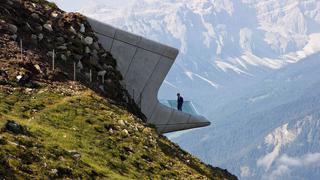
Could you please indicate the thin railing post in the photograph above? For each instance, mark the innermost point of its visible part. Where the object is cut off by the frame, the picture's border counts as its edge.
(53, 63)
(74, 71)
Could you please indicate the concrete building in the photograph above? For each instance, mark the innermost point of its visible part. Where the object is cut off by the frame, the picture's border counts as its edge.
(144, 65)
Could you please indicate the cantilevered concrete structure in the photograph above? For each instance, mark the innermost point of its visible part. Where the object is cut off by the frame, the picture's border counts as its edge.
(144, 65)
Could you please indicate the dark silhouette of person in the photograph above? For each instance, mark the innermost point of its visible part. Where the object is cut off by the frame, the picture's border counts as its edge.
(179, 102)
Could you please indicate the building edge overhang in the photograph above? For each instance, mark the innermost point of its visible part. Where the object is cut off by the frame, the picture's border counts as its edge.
(144, 65)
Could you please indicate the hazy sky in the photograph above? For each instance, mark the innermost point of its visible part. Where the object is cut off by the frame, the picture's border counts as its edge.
(71, 5)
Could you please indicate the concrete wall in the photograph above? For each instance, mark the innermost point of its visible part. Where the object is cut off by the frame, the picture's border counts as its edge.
(144, 65)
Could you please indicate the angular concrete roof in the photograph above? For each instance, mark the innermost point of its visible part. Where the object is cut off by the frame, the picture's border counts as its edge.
(144, 65)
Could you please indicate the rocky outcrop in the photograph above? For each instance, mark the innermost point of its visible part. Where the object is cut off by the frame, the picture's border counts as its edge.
(43, 27)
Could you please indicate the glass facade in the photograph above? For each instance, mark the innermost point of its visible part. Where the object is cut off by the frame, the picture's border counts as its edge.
(187, 106)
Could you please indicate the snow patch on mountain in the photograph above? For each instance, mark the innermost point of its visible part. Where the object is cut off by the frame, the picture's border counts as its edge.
(274, 33)
(281, 136)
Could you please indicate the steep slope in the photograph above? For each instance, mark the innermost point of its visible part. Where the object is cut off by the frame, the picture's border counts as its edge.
(52, 127)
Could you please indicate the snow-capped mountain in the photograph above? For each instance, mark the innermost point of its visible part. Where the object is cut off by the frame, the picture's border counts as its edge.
(243, 38)
(250, 66)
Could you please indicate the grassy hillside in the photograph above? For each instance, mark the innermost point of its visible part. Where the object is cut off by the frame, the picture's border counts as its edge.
(52, 127)
(72, 132)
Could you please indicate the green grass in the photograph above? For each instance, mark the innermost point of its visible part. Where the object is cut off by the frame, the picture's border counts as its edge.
(81, 121)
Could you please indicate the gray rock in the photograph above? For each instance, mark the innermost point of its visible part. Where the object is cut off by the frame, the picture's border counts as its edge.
(76, 156)
(48, 27)
(111, 131)
(78, 57)
(50, 53)
(54, 171)
(39, 28)
(121, 122)
(101, 87)
(34, 38)
(14, 37)
(104, 55)
(60, 39)
(35, 16)
(88, 40)
(38, 68)
(40, 37)
(12, 28)
(10, 2)
(63, 57)
(54, 14)
(63, 47)
(71, 29)
(15, 128)
(125, 132)
(87, 50)
(107, 67)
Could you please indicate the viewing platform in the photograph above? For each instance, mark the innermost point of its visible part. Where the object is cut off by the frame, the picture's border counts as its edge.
(144, 64)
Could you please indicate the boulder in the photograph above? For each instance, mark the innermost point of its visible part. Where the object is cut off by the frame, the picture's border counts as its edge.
(35, 16)
(38, 68)
(121, 122)
(71, 29)
(88, 40)
(63, 47)
(14, 37)
(147, 131)
(54, 14)
(125, 133)
(13, 127)
(23, 79)
(12, 28)
(111, 131)
(34, 38)
(40, 37)
(77, 57)
(39, 28)
(87, 50)
(63, 57)
(3, 74)
(60, 39)
(48, 27)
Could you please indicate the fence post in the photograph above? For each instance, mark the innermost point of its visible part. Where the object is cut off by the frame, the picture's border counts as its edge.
(53, 56)
(90, 75)
(21, 49)
(74, 71)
